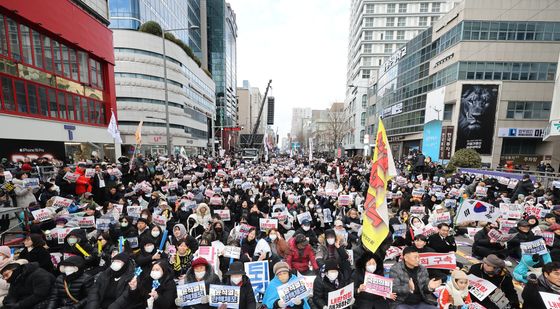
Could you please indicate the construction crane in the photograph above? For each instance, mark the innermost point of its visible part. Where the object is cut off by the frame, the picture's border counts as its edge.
(256, 127)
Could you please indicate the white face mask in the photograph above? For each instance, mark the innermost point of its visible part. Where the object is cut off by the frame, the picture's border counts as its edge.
(124, 224)
(145, 216)
(305, 227)
(273, 237)
(68, 270)
(199, 274)
(117, 265)
(155, 233)
(417, 225)
(72, 241)
(332, 274)
(149, 249)
(156, 274)
(371, 268)
(236, 280)
(330, 241)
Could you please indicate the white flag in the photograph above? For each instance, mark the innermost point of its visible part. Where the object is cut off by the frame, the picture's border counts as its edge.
(113, 129)
(475, 210)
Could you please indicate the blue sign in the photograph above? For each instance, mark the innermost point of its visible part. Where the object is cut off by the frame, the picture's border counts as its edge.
(259, 276)
(432, 139)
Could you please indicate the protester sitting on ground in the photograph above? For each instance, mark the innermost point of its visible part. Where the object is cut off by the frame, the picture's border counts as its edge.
(456, 291)
(548, 282)
(271, 297)
(483, 245)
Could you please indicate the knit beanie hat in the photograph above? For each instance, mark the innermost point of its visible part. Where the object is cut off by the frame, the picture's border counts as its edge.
(280, 267)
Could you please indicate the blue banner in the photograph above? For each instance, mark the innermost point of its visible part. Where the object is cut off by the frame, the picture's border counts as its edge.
(432, 139)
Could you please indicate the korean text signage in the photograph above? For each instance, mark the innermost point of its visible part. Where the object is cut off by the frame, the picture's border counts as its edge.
(394, 59)
(477, 116)
(521, 132)
(446, 142)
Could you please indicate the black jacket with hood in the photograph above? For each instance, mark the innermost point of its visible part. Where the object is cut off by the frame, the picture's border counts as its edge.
(209, 278)
(30, 287)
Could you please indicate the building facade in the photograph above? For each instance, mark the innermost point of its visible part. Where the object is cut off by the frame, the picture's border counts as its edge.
(249, 102)
(474, 80)
(222, 62)
(170, 14)
(56, 75)
(140, 85)
(301, 127)
(377, 29)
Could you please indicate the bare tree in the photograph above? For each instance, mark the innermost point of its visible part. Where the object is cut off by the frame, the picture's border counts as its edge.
(337, 126)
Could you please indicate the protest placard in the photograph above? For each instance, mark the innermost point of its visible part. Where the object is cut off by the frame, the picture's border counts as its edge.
(511, 211)
(62, 233)
(191, 293)
(134, 211)
(86, 222)
(294, 289)
(401, 181)
(449, 203)
(444, 217)
(237, 181)
(243, 231)
(512, 183)
(503, 181)
(550, 300)
(304, 216)
(258, 273)
(499, 236)
(507, 225)
(392, 253)
(341, 298)
(399, 230)
(429, 230)
(159, 220)
(208, 193)
(32, 183)
(471, 231)
(267, 224)
(327, 215)
(216, 201)
(548, 238)
(223, 213)
(418, 210)
(8, 176)
(331, 192)
(344, 200)
(70, 177)
(438, 260)
(455, 192)
(533, 211)
(309, 282)
(378, 285)
(480, 288)
(246, 186)
(61, 202)
(102, 224)
(90, 172)
(232, 252)
(534, 247)
(224, 294)
(42, 214)
(418, 193)
(481, 191)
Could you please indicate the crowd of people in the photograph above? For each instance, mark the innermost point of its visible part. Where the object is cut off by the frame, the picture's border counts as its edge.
(132, 234)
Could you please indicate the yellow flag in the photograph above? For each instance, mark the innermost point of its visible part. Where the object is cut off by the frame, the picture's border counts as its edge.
(376, 216)
(138, 134)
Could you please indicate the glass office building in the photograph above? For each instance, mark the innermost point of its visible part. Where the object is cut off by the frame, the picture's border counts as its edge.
(170, 14)
(518, 57)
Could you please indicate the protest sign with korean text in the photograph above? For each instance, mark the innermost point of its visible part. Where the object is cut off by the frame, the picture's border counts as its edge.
(548, 238)
(534, 247)
(267, 224)
(511, 211)
(86, 222)
(444, 217)
(304, 216)
(294, 289)
(399, 230)
(438, 260)
(471, 231)
(224, 294)
(232, 252)
(42, 214)
(191, 293)
(90, 172)
(258, 273)
(71, 177)
(417, 210)
(31, 183)
(550, 300)
(378, 285)
(480, 288)
(224, 214)
(62, 202)
(341, 298)
(344, 200)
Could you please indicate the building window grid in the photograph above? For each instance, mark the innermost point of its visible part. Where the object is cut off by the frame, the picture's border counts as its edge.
(511, 31)
(523, 71)
(528, 110)
(424, 6)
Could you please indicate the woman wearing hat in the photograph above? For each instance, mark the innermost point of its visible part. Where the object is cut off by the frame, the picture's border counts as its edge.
(35, 251)
(301, 255)
(201, 270)
(456, 291)
(30, 285)
(281, 276)
(236, 277)
(368, 263)
(331, 279)
(142, 293)
(72, 286)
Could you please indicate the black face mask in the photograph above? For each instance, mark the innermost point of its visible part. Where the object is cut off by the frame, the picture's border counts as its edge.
(218, 229)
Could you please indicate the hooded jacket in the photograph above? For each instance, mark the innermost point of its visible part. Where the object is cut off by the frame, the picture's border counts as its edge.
(271, 296)
(31, 287)
(247, 299)
(91, 260)
(209, 278)
(205, 219)
(531, 297)
(78, 285)
(97, 293)
(322, 286)
(300, 261)
(520, 271)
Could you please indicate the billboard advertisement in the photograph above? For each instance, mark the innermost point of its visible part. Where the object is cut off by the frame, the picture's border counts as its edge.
(475, 128)
(434, 105)
(432, 139)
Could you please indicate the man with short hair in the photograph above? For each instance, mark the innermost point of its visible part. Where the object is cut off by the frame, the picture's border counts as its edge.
(442, 242)
(411, 282)
(548, 282)
(493, 269)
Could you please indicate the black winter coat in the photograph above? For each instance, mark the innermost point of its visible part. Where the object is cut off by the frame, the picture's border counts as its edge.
(503, 281)
(531, 297)
(440, 245)
(78, 287)
(322, 286)
(97, 293)
(39, 255)
(167, 292)
(31, 289)
(247, 299)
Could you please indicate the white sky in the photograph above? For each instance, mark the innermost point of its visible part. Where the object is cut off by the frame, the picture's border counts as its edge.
(300, 44)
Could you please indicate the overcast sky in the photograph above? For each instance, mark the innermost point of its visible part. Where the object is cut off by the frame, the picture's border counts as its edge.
(300, 45)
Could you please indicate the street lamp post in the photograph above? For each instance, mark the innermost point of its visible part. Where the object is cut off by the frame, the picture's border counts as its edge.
(167, 133)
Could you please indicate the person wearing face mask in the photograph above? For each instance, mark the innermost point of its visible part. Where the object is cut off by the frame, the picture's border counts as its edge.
(524, 234)
(109, 288)
(484, 246)
(331, 279)
(148, 254)
(494, 270)
(75, 243)
(282, 275)
(368, 263)
(456, 292)
(35, 251)
(306, 230)
(301, 255)
(125, 229)
(202, 271)
(279, 248)
(30, 285)
(331, 249)
(415, 227)
(72, 286)
(236, 277)
(141, 293)
(548, 282)
(5, 259)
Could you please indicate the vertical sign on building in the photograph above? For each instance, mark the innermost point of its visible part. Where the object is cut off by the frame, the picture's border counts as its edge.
(446, 142)
(270, 111)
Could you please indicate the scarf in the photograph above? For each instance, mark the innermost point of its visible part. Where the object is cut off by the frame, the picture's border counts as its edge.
(542, 281)
(457, 295)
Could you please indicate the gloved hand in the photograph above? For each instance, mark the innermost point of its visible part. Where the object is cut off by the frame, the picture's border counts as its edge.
(325, 307)
(178, 302)
(297, 301)
(204, 299)
(281, 303)
(352, 301)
